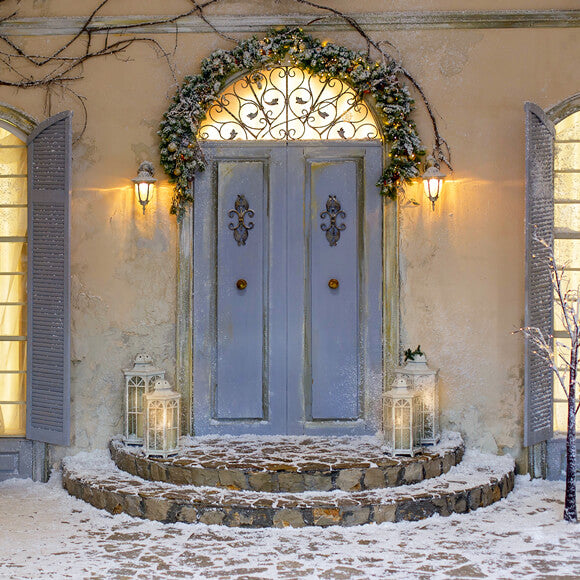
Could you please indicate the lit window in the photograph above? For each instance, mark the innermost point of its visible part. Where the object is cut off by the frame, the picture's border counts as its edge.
(566, 232)
(287, 104)
(13, 266)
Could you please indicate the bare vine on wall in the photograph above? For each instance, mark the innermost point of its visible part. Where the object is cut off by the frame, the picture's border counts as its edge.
(59, 69)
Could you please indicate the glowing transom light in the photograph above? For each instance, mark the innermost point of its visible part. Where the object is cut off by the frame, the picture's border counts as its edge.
(286, 104)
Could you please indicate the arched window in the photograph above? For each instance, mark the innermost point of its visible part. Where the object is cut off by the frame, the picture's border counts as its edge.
(13, 267)
(566, 231)
(286, 104)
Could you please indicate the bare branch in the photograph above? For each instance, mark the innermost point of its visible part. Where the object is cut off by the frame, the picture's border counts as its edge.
(441, 150)
(200, 13)
(70, 56)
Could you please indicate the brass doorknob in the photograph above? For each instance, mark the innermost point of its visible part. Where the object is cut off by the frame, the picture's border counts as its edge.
(333, 284)
(241, 284)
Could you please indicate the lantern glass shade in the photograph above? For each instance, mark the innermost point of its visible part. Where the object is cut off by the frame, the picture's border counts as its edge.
(143, 192)
(433, 181)
(429, 413)
(138, 381)
(144, 183)
(433, 187)
(135, 391)
(161, 421)
(402, 420)
(403, 431)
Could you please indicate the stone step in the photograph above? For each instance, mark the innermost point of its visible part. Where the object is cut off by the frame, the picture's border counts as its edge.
(478, 481)
(290, 464)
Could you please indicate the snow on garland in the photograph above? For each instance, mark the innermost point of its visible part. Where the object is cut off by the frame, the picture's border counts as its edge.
(181, 154)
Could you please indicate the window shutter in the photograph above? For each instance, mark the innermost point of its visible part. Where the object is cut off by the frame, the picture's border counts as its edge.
(539, 294)
(48, 355)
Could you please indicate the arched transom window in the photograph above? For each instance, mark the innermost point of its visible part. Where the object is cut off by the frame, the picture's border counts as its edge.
(566, 235)
(286, 103)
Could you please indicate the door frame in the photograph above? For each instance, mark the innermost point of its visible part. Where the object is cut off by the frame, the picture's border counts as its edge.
(390, 306)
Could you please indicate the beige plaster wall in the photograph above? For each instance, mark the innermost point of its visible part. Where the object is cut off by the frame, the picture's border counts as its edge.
(462, 265)
(260, 7)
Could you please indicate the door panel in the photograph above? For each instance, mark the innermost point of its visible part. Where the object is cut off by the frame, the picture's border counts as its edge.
(241, 337)
(334, 311)
(238, 361)
(335, 366)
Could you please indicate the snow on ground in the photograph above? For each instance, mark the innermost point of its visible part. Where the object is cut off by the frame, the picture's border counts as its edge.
(44, 533)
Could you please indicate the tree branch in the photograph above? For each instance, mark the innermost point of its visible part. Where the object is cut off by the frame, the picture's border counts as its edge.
(60, 74)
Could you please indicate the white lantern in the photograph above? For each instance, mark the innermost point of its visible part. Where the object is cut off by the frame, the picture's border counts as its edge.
(138, 381)
(161, 420)
(424, 381)
(402, 432)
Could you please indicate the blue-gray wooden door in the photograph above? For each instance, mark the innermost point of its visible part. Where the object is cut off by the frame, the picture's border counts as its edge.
(288, 353)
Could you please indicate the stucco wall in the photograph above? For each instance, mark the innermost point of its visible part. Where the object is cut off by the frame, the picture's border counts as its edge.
(462, 268)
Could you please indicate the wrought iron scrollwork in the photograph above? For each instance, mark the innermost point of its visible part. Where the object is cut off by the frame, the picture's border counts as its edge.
(285, 103)
(240, 228)
(333, 212)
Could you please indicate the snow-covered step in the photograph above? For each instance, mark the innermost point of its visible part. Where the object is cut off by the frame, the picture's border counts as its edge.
(290, 464)
(478, 481)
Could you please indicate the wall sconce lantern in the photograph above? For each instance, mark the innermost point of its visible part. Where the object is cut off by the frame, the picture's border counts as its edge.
(138, 381)
(161, 420)
(144, 183)
(403, 433)
(432, 180)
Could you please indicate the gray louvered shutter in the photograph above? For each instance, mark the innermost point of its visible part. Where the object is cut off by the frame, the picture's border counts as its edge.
(48, 365)
(539, 294)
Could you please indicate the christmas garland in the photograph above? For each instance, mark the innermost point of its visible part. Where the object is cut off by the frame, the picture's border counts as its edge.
(181, 154)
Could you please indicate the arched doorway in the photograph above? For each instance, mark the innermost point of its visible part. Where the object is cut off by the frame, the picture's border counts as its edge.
(287, 253)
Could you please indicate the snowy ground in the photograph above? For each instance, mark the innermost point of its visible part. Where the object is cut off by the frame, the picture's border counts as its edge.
(44, 533)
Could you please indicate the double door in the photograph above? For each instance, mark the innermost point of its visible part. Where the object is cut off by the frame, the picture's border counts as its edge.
(287, 289)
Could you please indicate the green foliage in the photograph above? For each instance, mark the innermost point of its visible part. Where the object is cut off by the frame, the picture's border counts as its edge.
(411, 354)
(182, 156)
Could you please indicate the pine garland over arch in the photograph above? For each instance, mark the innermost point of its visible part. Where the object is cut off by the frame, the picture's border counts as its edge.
(182, 156)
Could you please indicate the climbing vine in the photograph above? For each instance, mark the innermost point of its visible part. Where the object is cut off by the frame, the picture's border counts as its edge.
(57, 70)
(182, 156)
